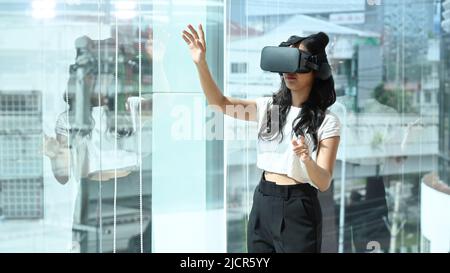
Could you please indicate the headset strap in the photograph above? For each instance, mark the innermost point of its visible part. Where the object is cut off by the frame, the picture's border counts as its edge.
(292, 40)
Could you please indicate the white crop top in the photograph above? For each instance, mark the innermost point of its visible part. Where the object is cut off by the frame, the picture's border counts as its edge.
(277, 157)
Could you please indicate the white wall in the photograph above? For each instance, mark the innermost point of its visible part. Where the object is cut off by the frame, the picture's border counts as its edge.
(435, 218)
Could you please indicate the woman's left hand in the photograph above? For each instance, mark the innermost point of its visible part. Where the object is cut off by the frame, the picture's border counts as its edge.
(301, 149)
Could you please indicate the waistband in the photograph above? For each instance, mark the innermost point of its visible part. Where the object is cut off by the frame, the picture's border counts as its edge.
(285, 191)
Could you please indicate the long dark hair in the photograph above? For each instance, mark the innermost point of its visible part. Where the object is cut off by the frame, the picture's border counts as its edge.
(312, 112)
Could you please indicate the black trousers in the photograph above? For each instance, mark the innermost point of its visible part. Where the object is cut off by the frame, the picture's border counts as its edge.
(284, 218)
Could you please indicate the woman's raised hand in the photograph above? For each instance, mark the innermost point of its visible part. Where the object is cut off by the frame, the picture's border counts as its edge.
(196, 42)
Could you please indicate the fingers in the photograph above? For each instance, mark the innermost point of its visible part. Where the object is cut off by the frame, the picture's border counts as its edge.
(298, 142)
(202, 34)
(191, 40)
(193, 31)
(301, 149)
(300, 154)
(186, 39)
(199, 44)
(194, 37)
(48, 140)
(189, 36)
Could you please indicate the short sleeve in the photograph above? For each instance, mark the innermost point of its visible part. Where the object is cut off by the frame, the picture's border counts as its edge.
(331, 126)
(62, 126)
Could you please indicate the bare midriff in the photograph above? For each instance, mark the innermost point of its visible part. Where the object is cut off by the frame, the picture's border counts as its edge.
(280, 179)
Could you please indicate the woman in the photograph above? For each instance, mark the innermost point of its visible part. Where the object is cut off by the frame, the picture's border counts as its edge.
(286, 214)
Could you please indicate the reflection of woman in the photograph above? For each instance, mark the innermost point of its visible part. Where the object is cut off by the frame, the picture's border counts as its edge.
(286, 214)
(82, 158)
(87, 147)
(108, 146)
(92, 157)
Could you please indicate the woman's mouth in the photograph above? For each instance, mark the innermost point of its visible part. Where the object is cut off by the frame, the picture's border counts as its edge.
(290, 77)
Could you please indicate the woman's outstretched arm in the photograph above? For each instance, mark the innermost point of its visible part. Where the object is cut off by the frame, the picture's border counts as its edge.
(238, 108)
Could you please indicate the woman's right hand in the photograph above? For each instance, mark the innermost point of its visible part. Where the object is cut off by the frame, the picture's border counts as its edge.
(196, 43)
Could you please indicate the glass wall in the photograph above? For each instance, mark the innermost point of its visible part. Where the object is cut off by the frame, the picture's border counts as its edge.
(92, 160)
(105, 135)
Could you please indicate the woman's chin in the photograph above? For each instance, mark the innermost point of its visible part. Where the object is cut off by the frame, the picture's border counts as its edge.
(291, 86)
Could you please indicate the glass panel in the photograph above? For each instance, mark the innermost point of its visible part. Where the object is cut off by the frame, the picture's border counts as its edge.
(187, 168)
(74, 177)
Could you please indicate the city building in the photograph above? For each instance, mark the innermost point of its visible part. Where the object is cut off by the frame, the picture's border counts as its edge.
(21, 181)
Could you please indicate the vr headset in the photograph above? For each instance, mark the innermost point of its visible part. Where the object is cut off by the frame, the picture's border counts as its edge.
(285, 59)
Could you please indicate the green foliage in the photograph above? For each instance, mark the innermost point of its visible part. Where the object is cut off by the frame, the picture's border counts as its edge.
(393, 98)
